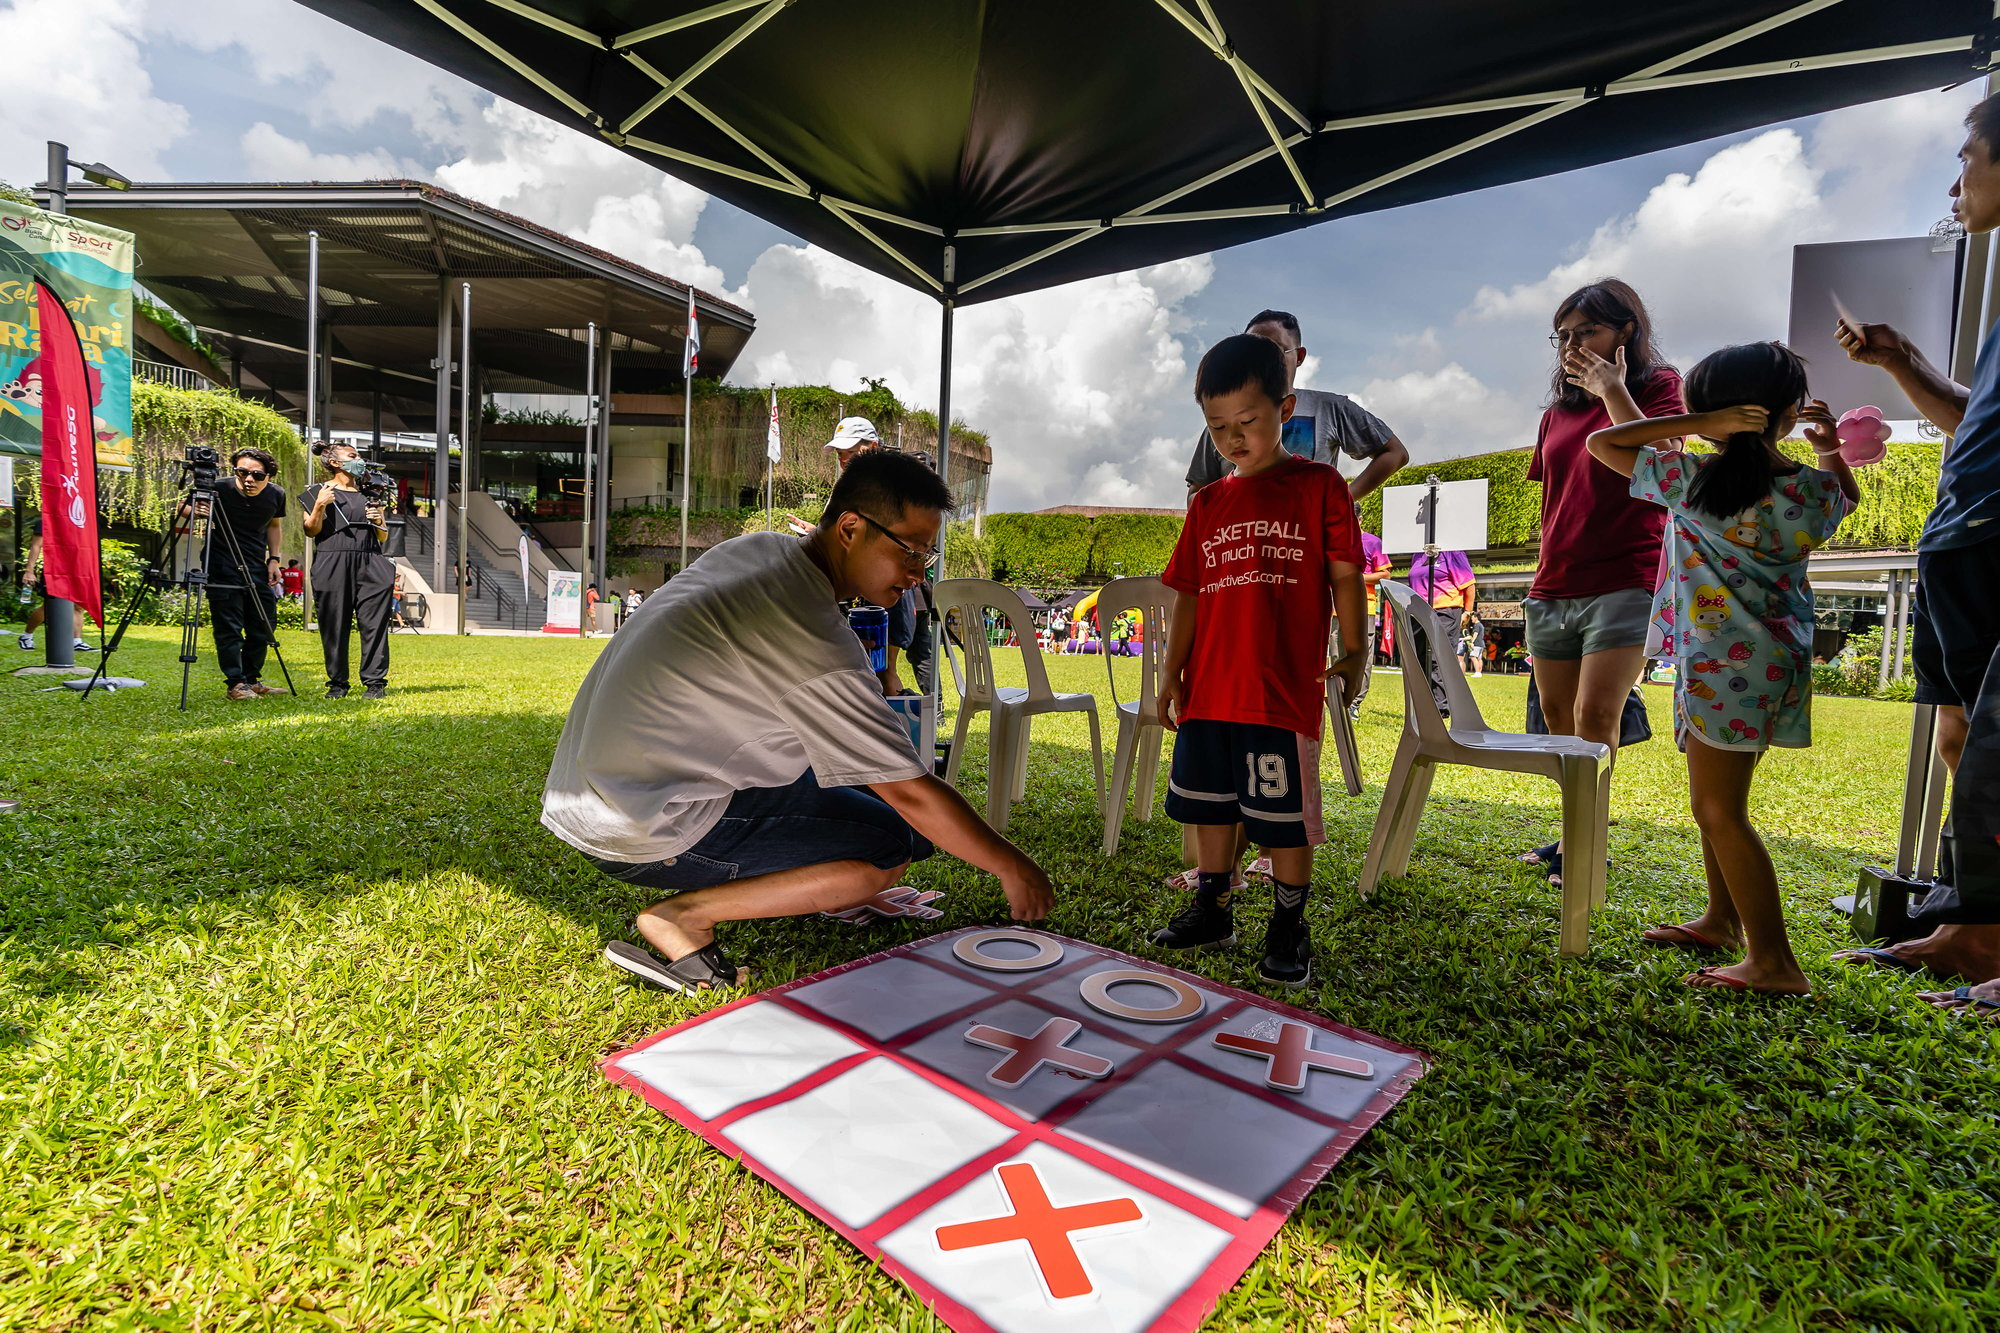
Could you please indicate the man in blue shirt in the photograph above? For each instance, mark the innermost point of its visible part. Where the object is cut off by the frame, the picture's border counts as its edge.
(1957, 649)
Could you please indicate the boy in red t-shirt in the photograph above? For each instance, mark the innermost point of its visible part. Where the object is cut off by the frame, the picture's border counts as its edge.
(1264, 553)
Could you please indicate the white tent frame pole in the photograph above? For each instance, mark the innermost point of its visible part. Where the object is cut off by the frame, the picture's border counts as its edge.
(794, 184)
(1658, 83)
(590, 451)
(665, 26)
(567, 29)
(1666, 66)
(1213, 38)
(504, 56)
(672, 88)
(1245, 76)
(465, 446)
(1263, 96)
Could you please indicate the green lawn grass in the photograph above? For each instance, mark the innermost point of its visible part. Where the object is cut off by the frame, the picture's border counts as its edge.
(299, 1010)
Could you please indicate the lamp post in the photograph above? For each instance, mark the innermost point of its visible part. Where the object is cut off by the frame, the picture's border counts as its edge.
(59, 617)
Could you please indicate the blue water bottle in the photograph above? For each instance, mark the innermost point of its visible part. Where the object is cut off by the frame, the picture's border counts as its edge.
(871, 626)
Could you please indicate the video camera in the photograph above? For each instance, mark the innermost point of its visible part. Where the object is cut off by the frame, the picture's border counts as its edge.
(377, 487)
(201, 468)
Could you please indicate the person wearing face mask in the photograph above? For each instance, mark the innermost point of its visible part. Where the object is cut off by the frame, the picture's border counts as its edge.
(352, 580)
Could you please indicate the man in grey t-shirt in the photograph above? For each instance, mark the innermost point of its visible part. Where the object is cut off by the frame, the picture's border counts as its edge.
(732, 748)
(1321, 423)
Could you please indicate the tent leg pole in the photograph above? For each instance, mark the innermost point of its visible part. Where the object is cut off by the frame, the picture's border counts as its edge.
(934, 697)
(465, 444)
(589, 456)
(441, 466)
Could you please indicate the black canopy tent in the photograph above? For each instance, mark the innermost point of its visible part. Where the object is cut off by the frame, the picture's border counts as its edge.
(980, 148)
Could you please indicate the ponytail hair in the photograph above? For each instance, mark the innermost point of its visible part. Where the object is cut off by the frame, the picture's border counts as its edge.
(1767, 375)
(1613, 304)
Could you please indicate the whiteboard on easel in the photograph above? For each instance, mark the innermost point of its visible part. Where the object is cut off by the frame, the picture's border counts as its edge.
(1461, 516)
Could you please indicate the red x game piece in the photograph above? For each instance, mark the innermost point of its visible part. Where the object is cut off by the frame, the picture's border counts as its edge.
(1044, 1226)
(1291, 1056)
(1027, 1054)
(901, 901)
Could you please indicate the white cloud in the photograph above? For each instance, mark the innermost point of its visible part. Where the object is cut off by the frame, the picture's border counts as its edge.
(1711, 251)
(80, 78)
(585, 188)
(1154, 479)
(272, 156)
(1449, 412)
(335, 75)
(1074, 384)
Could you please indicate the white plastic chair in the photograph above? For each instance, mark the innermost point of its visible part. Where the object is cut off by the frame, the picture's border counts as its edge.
(1580, 767)
(1012, 709)
(1139, 729)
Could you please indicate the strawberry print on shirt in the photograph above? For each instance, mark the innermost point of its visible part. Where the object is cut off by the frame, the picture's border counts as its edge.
(1736, 610)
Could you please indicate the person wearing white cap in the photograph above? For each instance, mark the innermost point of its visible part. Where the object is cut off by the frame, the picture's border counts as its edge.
(853, 437)
(908, 636)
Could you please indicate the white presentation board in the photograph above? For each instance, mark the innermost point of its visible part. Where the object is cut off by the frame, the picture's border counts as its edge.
(1461, 517)
(565, 602)
(1907, 282)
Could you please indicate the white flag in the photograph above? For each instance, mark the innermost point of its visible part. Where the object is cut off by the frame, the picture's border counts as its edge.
(771, 438)
(691, 359)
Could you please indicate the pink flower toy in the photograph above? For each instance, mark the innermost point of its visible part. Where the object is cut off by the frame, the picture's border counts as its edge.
(1863, 436)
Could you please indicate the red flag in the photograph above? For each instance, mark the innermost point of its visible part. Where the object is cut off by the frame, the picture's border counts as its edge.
(69, 462)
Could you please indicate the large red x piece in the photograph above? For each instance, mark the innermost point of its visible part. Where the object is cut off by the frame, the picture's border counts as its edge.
(1044, 1226)
(1291, 1056)
(1027, 1054)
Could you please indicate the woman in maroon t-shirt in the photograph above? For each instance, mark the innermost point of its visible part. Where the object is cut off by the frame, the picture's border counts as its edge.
(1587, 611)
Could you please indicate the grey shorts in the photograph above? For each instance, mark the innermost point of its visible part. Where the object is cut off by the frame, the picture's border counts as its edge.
(1564, 629)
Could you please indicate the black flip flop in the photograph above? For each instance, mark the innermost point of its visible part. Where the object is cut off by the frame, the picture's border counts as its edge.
(704, 969)
(1881, 958)
(1963, 996)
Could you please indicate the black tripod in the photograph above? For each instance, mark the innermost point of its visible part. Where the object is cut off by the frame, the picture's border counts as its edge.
(199, 502)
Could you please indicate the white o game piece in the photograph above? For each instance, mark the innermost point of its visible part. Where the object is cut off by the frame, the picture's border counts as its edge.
(1096, 992)
(971, 949)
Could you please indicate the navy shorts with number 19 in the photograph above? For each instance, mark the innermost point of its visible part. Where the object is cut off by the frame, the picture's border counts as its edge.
(1265, 778)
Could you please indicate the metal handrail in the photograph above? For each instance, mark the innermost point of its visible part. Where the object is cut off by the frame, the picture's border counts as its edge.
(504, 605)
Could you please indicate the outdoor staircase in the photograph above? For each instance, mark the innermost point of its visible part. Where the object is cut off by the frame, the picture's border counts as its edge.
(496, 601)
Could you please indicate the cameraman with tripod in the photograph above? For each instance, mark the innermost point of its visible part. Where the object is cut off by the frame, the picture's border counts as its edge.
(240, 568)
(351, 579)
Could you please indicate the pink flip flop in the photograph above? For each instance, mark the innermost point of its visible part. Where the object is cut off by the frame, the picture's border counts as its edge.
(1700, 942)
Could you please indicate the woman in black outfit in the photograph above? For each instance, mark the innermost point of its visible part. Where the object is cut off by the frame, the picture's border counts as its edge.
(352, 580)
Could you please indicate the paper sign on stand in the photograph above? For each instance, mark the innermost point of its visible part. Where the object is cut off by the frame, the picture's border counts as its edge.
(565, 602)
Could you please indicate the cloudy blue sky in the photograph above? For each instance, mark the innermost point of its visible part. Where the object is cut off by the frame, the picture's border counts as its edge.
(1432, 315)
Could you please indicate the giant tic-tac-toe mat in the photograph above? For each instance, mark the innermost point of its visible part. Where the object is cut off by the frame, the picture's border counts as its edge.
(1032, 1132)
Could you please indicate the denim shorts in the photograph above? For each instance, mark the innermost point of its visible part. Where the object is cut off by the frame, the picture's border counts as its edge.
(1565, 629)
(1956, 629)
(768, 829)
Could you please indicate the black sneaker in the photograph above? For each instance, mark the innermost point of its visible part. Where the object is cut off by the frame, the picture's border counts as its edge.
(376, 692)
(1288, 953)
(336, 691)
(1198, 926)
